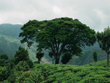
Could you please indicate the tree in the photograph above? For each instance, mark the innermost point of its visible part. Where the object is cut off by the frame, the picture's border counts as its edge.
(95, 57)
(66, 57)
(103, 39)
(21, 55)
(3, 59)
(52, 56)
(39, 55)
(3, 56)
(58, 35)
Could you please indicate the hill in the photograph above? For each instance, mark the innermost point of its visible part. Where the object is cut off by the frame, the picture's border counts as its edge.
(10, 30)
(87, 56)
(9, 43)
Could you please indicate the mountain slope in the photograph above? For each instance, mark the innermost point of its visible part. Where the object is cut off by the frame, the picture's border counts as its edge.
(10, 41)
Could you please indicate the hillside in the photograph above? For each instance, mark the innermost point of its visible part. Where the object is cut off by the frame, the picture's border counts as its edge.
(87, 56)
(50, 73)
(9, 43)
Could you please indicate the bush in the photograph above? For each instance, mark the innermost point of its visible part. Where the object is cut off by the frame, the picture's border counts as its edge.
(30, 77)
(3, 59)
(22, 66)
(21, 55)
(4, 73)
(30, 63)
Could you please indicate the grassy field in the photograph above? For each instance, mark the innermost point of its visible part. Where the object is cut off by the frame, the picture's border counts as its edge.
(75, 74)
(51, 73)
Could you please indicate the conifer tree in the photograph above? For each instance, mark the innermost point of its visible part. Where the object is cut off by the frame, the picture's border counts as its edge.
(21, 55)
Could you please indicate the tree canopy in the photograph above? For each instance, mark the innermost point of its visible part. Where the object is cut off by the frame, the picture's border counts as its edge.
(58, 35)
(3, 59)
(103, 39)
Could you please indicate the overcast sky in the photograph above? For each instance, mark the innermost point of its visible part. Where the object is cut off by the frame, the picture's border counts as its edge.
(93, 13)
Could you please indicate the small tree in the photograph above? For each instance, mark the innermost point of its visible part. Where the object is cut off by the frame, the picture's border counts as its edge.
(30, 63)
(21, 55)
(22, 66)
(3, 56)
(39, 56)
(95, 57)
(3, 59)
(66, 57)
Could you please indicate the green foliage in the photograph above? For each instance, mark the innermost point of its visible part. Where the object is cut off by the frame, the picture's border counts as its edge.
(11, 63)
(3, 59)
(4, 73)
(50, 73)
(3, 56)
(26, 77)
(95, 56)
(103, 39)
(22, 66)
(30, 63)
(66, 57)
(39, 55)
(31, 77)
(2, 62)
(56, 34)
(21, 55)
(73, 74)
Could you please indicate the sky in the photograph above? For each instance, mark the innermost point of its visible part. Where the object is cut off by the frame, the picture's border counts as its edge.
(93, 13)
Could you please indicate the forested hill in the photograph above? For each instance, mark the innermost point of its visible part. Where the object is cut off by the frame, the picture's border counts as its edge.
(9, 43)
(10, 30)
(9, 40)
(87, 56)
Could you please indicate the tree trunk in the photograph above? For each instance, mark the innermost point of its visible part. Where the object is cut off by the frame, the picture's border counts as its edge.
(57, 59)
(107, 59)
(52, 60)
(39, 61)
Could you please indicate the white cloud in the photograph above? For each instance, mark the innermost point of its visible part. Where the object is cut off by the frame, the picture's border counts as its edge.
(94, 13)
(56, 10)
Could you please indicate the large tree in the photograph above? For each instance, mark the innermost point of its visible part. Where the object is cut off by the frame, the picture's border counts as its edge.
(103, 39)
(58, 35)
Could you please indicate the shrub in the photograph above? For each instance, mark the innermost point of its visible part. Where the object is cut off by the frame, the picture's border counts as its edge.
(4, 73)
(21, 55)
(22, 66)
(30, 63)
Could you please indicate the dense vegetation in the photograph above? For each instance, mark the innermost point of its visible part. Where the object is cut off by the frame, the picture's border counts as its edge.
(9, 44)
(50, 73)
(20, 69)
(60, 36)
